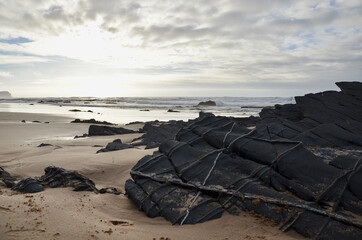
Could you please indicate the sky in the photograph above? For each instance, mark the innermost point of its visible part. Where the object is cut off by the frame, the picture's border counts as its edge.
(122, 48)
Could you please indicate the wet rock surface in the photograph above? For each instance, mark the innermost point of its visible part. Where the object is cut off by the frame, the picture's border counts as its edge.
(298, 165)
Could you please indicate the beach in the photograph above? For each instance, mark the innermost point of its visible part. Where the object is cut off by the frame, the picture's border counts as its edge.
(61, 213)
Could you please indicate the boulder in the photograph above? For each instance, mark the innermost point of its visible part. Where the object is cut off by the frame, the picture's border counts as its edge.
(208, 103)
(95, 130)
(115, 146)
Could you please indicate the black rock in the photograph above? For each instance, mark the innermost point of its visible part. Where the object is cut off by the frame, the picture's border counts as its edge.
(7, 178)
(207, 103)
(23, 121)
(36, 121)
(156, 133)
(93, 121)
(45, 145)
(95, 130)
(74, 110)
(82, 136)
(268, 165)
(28, 185)
(171, 110)
(115, 146)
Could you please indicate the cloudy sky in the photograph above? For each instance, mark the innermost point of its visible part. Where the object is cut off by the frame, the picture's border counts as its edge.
(178, 48)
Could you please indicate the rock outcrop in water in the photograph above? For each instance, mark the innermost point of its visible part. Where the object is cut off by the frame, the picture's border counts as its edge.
(298, 165)
(207, 104)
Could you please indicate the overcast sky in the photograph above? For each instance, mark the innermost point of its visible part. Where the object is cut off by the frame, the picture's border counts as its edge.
(178, 48)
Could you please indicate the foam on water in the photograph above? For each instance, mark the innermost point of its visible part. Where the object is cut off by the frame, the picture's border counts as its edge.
(125, 110)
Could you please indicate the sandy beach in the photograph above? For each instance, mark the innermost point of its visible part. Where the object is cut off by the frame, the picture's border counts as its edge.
(61, 213)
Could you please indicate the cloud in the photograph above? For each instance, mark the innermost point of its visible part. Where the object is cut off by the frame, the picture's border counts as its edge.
(221, 43)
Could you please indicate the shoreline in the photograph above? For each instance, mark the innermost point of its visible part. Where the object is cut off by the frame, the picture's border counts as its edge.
(87, 215)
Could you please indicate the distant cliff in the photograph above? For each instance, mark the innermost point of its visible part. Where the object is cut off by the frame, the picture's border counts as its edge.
(5, 94)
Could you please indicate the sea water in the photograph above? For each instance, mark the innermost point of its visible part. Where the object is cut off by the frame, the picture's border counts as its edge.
(125, 110)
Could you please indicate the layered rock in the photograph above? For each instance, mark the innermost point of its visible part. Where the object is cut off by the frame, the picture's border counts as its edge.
(278, 165)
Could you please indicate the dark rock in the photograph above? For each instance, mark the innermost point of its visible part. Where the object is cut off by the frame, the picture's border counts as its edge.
(28, 185)
(93, 121)
(31, 104)
(46, 122)
(45, 145)
(74, 110)
(23, 121)
(55, 177)
(266, 165)
(115, 146)
(82, 136)
(97, 145)
(144, 110)
(156, 133)
(95, 130)
(171, 110)
(36, 121)
(136, 122)
(90, 111)
(207, 104)
(7, 178)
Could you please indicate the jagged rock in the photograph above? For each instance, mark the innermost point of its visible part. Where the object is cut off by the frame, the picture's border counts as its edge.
(156, 133)
(115, 146)
(55, 177)
(266, 165)
(28, 185)
(93, 121)
(95, 130)
(82, 136)
(207, 103)
(45, 145)
(7, 178)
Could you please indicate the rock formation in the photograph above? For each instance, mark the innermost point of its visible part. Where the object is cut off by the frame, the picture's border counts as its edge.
(298, 165)
(115, 146)
(207, 103)
(95, 130)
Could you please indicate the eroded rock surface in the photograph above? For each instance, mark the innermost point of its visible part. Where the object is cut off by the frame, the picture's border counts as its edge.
(266, 165)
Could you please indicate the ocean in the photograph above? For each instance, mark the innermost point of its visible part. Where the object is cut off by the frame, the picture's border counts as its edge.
(125, 110)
